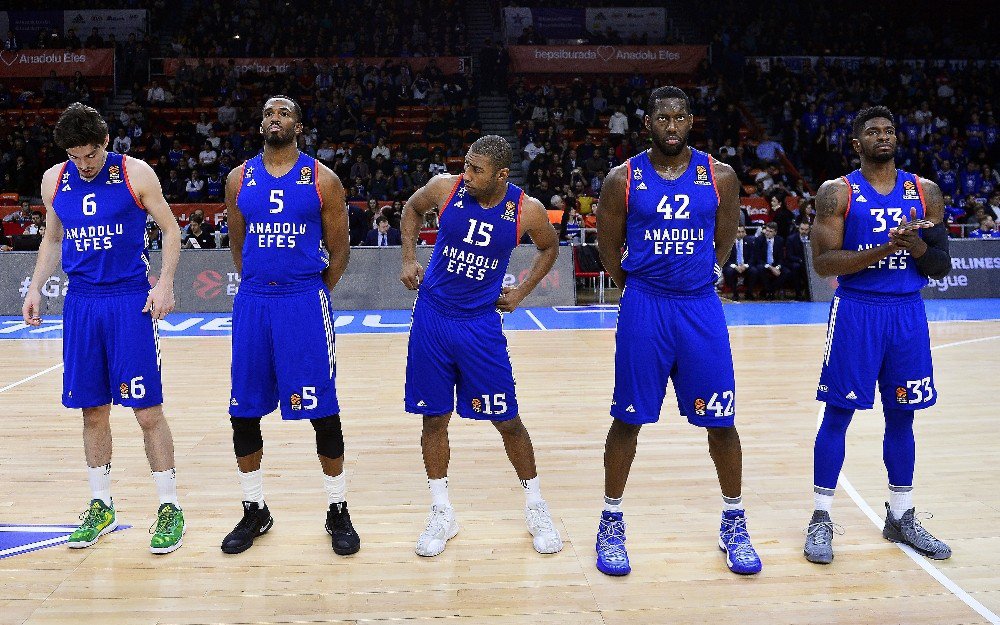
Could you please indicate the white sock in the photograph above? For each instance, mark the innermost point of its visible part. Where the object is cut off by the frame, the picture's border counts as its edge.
(252, 483)
(612, 504)
(335, 487)
(532, 491)
(439, 492)
(900, 500)
(822, 498)
(732, 503)
(166, 486)
(100, 483)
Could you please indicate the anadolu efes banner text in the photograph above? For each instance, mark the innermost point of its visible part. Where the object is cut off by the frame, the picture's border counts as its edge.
(605, 59)
(65, 63)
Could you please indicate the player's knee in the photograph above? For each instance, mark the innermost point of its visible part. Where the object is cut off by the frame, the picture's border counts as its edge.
(329, 436)
(723, 434)
(436, 424)
(247, 438)
(149, 418)
(622, 429)
(509, 426)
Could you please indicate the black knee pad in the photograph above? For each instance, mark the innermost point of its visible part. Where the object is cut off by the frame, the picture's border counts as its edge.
(329, 436)
(246, 436)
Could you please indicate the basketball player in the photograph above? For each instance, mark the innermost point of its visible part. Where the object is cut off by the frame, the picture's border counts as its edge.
(97, 203)
(877, 330)
(675, 211)
(283, 206)
(456, 336)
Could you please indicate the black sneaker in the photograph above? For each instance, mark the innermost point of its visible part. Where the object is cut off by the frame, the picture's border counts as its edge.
(908, 531)
(255, 522)
(338, 525)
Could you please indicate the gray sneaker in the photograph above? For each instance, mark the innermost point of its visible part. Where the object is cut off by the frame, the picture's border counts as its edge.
(908, 531)
(819, 537)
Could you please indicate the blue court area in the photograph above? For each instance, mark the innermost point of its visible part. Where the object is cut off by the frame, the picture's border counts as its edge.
(556, 318)
(18, 539)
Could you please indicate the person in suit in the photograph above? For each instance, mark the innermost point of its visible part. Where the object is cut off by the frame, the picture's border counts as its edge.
(795, 258)
(382, 235)
(742, 261)
(770, 258)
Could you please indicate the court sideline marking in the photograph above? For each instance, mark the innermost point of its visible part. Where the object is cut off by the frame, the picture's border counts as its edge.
(921, 561)
(31, 377)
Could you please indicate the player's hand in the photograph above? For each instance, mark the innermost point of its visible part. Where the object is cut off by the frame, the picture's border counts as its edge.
(906, 235)
(510, 298)
(411, 275)
(160, 301)
(31, 310)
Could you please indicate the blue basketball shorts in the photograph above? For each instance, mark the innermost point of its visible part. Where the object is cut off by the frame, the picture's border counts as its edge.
(467, 358)
(877, 339)
(111, 351)
(284, 353)
(682, 339)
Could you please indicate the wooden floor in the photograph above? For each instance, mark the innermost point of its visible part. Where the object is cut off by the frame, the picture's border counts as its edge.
(489, 572)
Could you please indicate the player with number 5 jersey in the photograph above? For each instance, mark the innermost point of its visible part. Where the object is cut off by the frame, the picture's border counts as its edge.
(668, 216)
(881, 231)
(457, 346)
(284, 206)
(97, 205)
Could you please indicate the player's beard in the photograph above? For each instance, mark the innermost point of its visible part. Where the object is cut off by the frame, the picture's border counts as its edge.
(279, 139)
(875, 157)
(670, 150)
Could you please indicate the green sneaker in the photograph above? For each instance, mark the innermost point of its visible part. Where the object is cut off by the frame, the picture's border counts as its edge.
(168, 531)
(98, 520)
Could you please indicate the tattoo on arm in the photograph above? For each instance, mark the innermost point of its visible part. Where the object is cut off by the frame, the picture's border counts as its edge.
(826, 201)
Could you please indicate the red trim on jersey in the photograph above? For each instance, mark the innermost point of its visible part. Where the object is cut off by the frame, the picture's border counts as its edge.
(316, 180)
(920, 192)
(849, 188)
(243, 170)
(711, 173)
(517, 220)
(59, 182)
(450, 195)
(628, 181)
(128, 184)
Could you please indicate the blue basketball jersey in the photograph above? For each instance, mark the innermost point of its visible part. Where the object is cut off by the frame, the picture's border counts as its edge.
(470, 258)
(670, 227)
(870, 215)
(104, 229)
(283, 225)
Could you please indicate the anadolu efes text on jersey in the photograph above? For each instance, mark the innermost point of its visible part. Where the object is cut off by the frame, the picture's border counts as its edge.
(670, 227)
(470, 258)
(284, 226)
(869, 218)
(104, 229)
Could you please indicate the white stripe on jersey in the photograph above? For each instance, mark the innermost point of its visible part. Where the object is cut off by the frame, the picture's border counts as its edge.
(331, 350)
(830, 329)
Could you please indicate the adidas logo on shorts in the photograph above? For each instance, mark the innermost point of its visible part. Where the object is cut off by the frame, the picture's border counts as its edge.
(851, 395)
(421, 404)
(630, 408)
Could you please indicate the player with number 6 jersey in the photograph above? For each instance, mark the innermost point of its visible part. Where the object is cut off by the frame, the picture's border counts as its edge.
(283, 207)
(97, 205)
(457, 345)
(668, 216)
(881, 231)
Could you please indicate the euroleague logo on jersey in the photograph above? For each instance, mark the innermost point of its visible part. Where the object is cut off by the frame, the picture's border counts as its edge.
(114, 174)
(477, 405)
(701, 175)
(902, 397)
(123, 389)
(305, 176)
(699, 407)
(208, 284)
(910, 191)
(295, 401)
(509, 211)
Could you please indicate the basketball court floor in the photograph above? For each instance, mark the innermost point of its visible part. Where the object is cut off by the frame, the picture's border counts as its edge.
(489, 573)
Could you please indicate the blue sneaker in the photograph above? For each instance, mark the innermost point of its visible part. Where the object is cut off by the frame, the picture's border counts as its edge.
(612, 559)
(734, 539)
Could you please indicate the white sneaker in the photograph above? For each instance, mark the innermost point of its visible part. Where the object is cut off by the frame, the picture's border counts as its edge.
(441, 527)
(545, 536)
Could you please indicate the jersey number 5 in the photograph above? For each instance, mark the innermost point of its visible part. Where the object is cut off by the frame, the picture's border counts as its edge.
(277, 196)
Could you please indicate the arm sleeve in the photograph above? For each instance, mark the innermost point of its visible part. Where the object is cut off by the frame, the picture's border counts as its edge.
(936, 261)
